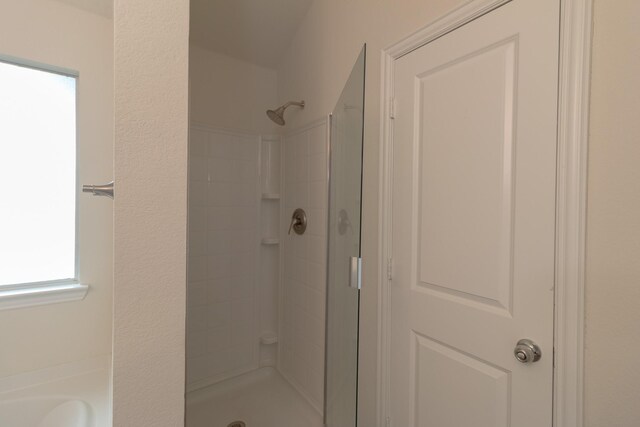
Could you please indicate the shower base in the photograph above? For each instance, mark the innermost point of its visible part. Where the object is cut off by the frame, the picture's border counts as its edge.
(260, 398)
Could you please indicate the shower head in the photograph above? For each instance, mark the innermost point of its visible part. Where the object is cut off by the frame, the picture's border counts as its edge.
(277, 115)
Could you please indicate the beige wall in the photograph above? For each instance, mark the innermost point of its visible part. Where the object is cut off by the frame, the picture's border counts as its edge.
(60, 35)
(151, 133)
(613, 223)
(315, 68)
(227, 93)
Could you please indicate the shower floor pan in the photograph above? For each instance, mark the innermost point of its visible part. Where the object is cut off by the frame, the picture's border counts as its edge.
(261, 398)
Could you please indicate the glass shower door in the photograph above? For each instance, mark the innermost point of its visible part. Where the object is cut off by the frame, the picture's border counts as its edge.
(343, 268)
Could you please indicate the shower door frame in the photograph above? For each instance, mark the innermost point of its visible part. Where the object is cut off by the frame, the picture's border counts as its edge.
(573, 126)
(355, 270)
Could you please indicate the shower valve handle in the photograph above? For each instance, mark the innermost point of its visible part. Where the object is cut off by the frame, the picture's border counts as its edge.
(298, 221)
(294, 221)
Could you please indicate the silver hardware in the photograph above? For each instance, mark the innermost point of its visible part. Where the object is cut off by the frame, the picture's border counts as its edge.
(277, 115)
(527, 351)
(99, 190)
(355, 272)
(298, 221)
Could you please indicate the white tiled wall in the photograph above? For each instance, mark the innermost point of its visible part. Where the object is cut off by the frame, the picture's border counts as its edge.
(225, 315)
(301, 352)
(222, 330)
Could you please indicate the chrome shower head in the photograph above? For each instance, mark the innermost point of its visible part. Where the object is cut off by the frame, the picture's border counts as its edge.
(277, 115)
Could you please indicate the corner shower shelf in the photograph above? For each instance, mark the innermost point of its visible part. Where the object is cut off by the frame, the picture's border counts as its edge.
(270, 196)
(268, 339)
(270, 241)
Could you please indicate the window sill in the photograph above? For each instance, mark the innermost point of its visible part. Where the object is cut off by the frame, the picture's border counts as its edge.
(21, 296)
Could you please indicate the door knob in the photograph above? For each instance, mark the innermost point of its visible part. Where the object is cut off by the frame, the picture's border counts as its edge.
(99, 190)
(527, 351)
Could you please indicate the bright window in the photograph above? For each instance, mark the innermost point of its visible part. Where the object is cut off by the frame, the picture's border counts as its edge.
(37, 175)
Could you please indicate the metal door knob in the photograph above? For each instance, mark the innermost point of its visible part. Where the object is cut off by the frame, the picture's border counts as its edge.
(527, 351)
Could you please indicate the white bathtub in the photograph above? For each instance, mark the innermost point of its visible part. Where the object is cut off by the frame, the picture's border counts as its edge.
(72, 395)
(50, 411)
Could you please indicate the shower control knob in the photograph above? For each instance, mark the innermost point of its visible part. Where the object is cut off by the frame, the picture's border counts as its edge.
(527, 351)
(298, 221)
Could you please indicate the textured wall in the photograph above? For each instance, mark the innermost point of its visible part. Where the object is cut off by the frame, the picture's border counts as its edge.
(65, 36)
(613, 223)
(151, 135)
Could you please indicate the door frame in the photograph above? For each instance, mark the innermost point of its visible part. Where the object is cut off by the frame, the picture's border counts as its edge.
(571, 197)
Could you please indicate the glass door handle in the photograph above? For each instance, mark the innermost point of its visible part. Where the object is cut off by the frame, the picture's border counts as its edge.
(99, 190)
(355, 272)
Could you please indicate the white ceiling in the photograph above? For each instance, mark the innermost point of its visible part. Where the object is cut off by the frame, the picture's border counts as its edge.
(257, 31)
(101, 7)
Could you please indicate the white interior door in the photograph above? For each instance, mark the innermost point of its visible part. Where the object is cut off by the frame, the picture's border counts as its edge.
(473, 219)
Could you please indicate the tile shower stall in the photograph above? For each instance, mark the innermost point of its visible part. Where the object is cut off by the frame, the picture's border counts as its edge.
(256, 294)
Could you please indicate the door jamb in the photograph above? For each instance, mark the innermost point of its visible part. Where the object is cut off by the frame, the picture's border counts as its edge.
(571, 197)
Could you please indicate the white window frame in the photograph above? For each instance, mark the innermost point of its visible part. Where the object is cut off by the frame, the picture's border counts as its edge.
(31, 294)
